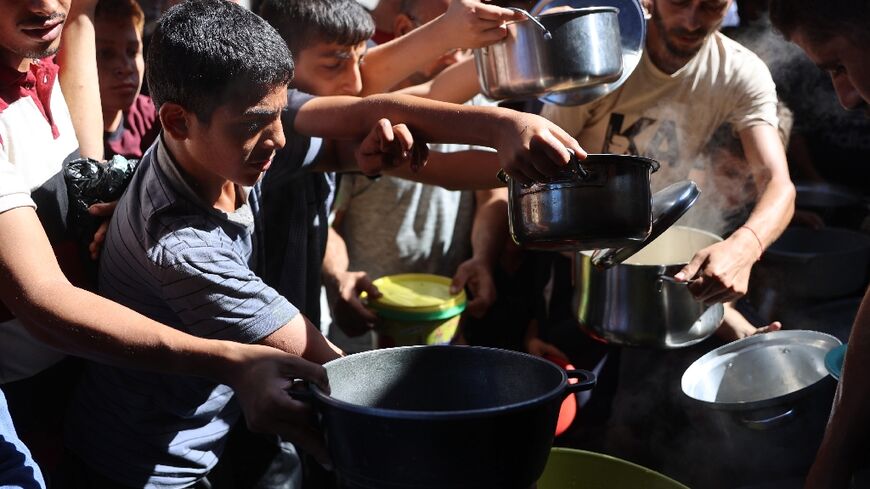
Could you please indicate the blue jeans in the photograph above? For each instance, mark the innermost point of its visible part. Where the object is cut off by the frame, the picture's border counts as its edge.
(17, 468)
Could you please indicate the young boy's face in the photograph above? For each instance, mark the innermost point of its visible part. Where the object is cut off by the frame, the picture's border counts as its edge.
(327, 68)
(120, 64)
(238, 143)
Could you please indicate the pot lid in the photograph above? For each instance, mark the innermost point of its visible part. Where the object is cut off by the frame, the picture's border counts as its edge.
(416, 294)
(668, 206)
(760, 370)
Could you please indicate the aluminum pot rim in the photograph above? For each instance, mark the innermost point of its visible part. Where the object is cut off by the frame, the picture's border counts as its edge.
(557, 392)
(745, 406)
(574, 12)
(662, 267)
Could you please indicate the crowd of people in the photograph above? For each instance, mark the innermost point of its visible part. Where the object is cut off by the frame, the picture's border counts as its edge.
(287, 146)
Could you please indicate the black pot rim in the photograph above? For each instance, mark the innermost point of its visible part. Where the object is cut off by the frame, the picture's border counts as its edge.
(557, 392)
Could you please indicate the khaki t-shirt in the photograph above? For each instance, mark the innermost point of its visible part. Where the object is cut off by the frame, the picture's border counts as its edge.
(671, 118)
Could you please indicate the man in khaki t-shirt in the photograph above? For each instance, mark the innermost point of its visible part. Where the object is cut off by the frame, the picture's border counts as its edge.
(691, 81)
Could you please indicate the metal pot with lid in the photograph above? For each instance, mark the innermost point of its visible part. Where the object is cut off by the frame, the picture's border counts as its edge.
(770, 394)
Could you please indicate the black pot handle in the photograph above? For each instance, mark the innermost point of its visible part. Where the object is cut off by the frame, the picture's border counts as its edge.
(586, 381)
(576, 167)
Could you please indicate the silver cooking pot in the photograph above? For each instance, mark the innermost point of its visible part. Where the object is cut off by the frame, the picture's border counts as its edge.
(600, 202)
(556, 51)
(634, 304)
(767, 394)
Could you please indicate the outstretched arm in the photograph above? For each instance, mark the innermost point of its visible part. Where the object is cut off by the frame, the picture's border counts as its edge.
(723, 269)
(529, 147)
(84, 324)
(466, 24)
(456, 84)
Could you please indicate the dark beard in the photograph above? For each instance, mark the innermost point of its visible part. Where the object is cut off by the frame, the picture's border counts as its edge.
(45, 53)
(674, 50)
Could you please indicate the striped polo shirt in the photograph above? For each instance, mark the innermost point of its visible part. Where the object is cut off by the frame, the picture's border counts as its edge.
(175, 259)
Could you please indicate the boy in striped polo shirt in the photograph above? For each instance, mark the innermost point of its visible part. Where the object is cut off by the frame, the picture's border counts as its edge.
(185, 247)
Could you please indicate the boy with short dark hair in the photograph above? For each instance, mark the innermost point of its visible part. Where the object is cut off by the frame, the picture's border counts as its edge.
(183, 248)
(328, 40)
(185, 243)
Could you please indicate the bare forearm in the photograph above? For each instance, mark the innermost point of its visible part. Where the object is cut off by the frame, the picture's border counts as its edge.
(490, 225)
(390, 63)
(463, 170)
(775, 207)
(773, 211)
(457, 84)
(300, 337)
(335, 260)
(433, 121)
(78, 78)
(86, 325)
(83, 324)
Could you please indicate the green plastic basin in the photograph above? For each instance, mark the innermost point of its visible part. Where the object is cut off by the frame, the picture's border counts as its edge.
(578, 469)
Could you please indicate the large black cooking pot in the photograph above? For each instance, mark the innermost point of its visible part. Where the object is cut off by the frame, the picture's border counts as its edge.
(442, 417)
(806, 265)
(603, 201)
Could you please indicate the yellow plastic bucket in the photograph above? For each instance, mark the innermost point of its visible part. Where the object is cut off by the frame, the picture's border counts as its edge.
(416, 309)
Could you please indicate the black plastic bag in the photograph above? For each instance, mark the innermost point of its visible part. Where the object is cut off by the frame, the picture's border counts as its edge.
(89, 182)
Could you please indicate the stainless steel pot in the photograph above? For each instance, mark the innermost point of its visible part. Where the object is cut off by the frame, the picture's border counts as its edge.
(634, 304)
(584, 48)
(767, 396)
(603, 201)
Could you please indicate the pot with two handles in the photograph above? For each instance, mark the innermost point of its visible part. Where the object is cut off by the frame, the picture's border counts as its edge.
(602, 201)
(442, 416)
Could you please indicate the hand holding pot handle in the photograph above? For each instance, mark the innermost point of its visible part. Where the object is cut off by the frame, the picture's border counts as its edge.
(303, 426)
(531, 148)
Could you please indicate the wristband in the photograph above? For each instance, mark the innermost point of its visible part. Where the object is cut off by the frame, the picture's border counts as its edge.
(760, 244)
